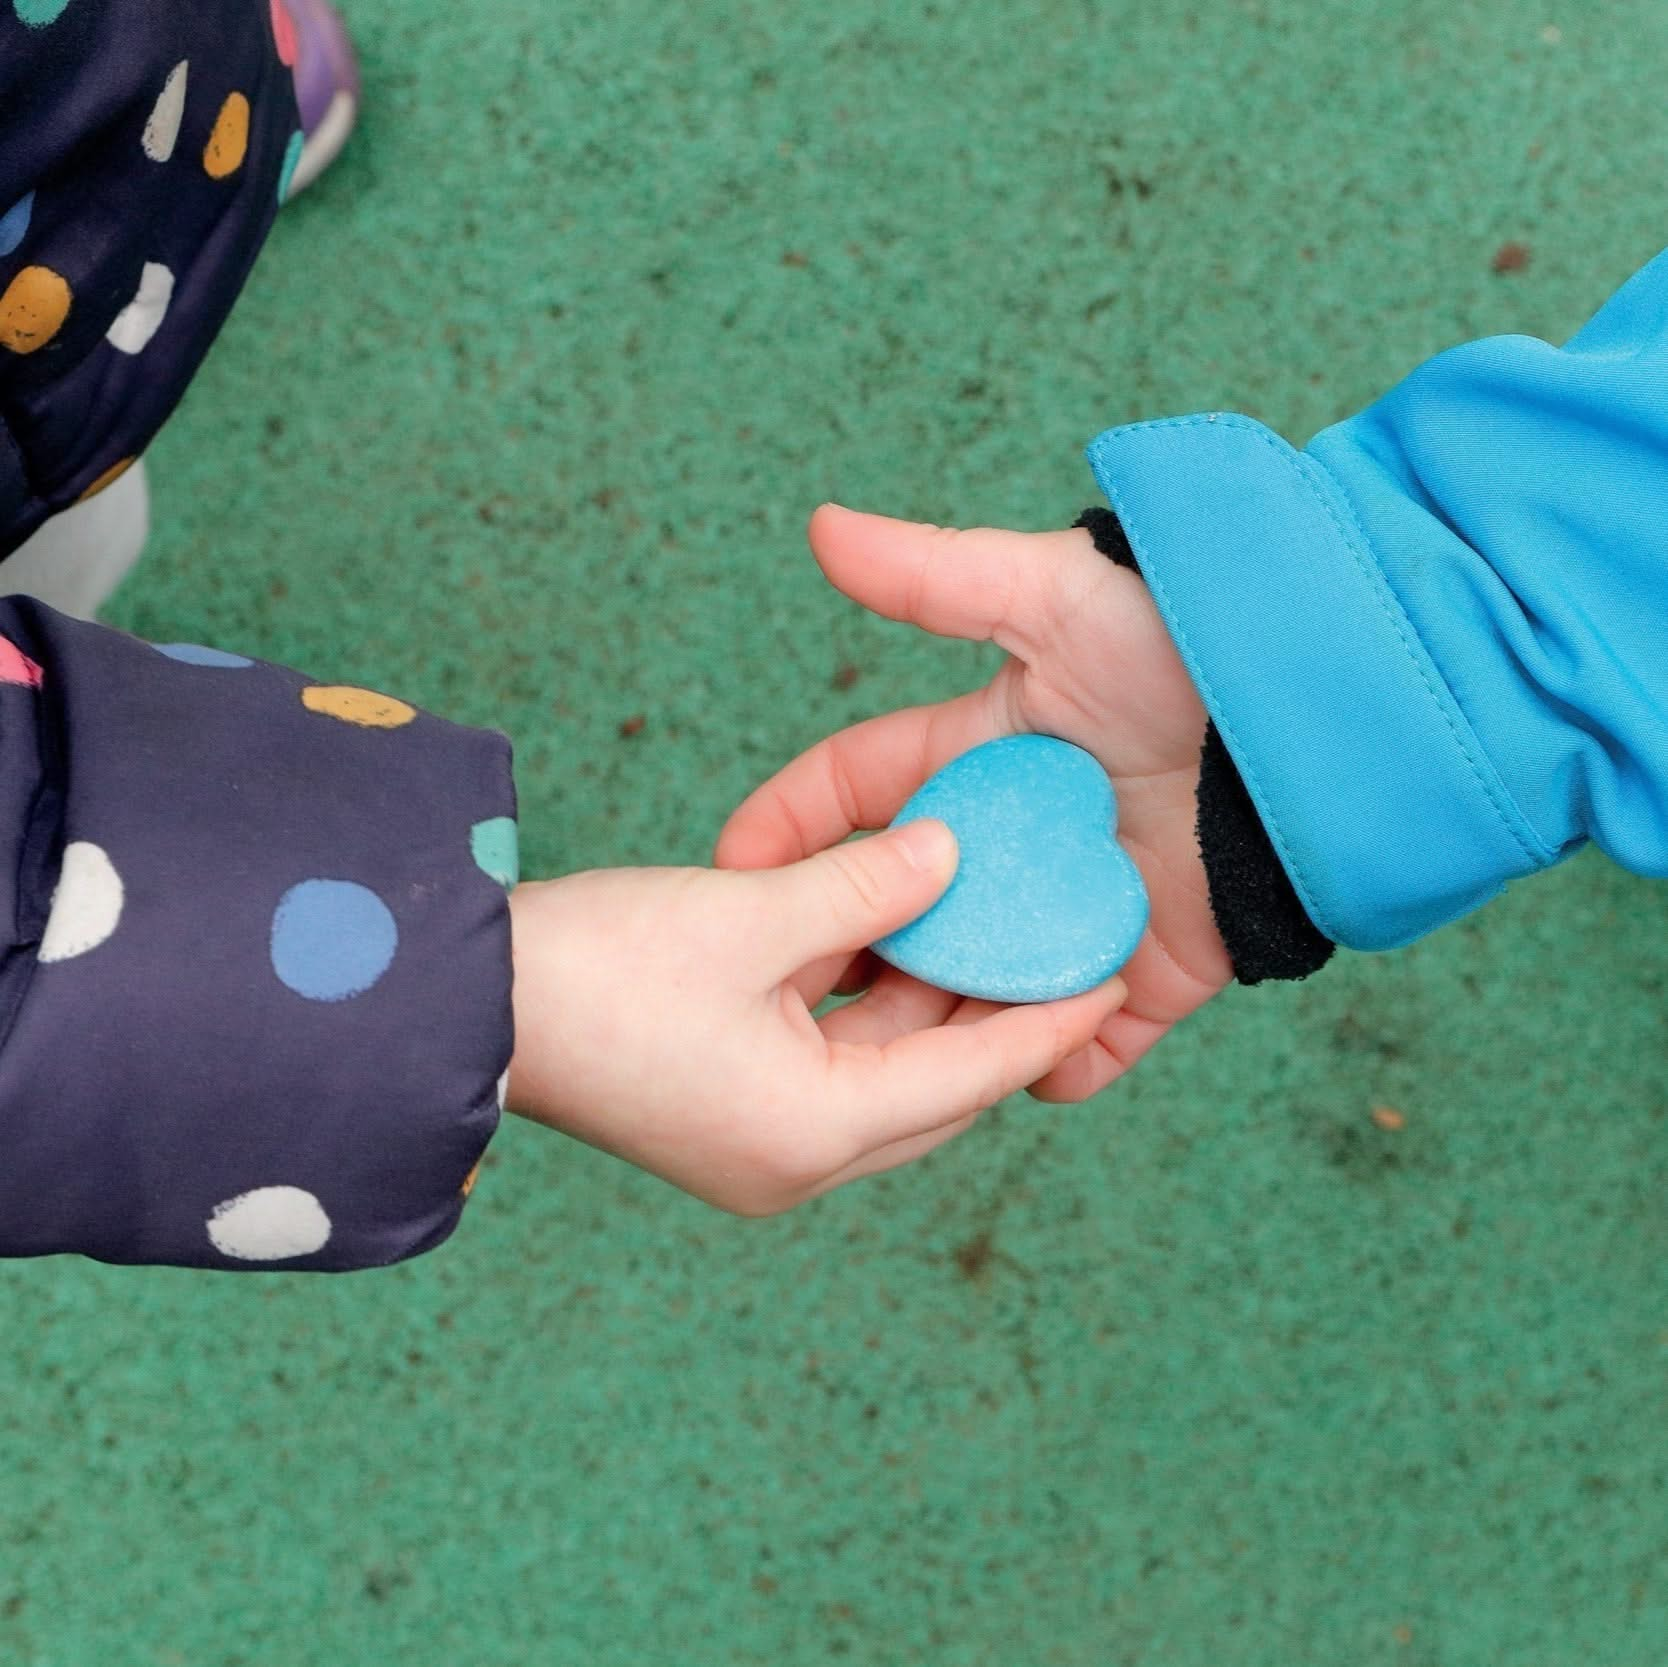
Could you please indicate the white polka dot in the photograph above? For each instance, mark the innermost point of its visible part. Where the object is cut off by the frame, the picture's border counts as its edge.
(142, 317)
(270, 1224)
(86, 904)
(163, 129)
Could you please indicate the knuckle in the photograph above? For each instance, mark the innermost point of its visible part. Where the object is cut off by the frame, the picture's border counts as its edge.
(1059, 1035)
(856, 890)
(996, 1079)
(982, 1074)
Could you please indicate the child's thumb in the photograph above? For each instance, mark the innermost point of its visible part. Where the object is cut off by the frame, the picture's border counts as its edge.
(843, 899)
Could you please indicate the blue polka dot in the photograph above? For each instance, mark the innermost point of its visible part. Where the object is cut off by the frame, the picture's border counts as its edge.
(194, 654)
(292, 160)
(494, 845)
(14, 223)
(332, 939)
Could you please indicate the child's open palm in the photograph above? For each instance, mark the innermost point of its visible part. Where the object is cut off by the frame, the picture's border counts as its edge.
(1089, 661)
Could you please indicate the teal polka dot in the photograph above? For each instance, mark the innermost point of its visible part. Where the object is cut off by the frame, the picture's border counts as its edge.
(38, 13)
(292, 160)
(495, 846)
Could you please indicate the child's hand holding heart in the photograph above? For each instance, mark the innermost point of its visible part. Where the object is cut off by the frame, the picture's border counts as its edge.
(665, 1015)
(1089, 661)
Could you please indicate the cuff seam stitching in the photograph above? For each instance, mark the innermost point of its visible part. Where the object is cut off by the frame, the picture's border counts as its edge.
(1270, 819)
(1354, 539)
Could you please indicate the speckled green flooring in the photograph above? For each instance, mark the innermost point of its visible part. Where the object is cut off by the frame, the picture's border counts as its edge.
(521, 418)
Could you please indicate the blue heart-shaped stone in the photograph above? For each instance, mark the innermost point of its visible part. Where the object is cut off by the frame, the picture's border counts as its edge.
(1045, 903)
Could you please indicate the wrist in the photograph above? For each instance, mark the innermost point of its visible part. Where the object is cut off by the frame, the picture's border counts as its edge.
(1264, 927)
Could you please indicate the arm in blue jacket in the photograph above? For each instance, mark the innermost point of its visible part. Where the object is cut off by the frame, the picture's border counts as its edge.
(1435, 641)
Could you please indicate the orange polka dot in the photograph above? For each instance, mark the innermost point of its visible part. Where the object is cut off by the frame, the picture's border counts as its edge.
(229, 142)
(109, 478)
(364, 707)
(33, 309)
(469, 1181)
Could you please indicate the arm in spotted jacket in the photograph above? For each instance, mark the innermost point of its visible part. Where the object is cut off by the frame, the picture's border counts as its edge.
(254, 969)
(255, 984)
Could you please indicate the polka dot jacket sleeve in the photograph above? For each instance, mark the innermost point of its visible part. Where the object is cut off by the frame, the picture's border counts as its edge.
(255, 986)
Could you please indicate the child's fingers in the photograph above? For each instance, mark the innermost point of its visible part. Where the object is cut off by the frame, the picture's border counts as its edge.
(981, 583)
(945, 1009)
(839, 974)
(856, 779)
(822, 978)
(931, 1078)
(898, 1153)
(843, 899)
(1118, 1044)
(1084, 1074)
(861, 971)
(896, 1005)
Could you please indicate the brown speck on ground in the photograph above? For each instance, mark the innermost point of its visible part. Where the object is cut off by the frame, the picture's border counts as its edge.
(847, 675)
(1403, 1635)
(796, 257)
(973, 1258)
(764, 1585)
(632, 726)
(1511, 257)
(381, 1584)
(1387, 1117)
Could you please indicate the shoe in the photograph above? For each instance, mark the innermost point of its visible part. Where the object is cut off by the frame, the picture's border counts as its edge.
(327, 84)
(79, 557)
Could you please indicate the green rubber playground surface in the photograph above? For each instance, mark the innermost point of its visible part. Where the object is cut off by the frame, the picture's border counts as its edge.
(521, 418)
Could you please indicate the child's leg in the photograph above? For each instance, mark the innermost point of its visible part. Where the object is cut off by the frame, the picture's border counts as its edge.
(326, 86)
(132, 205)
(79, 557)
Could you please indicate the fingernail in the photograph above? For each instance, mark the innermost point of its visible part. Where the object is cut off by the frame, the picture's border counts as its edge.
(926, 845)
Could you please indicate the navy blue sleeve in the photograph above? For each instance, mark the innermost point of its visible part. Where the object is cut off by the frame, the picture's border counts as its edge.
(255, 986)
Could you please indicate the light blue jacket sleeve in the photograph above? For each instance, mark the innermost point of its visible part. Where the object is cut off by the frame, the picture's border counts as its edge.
(1436, 640)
